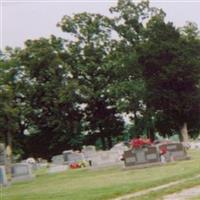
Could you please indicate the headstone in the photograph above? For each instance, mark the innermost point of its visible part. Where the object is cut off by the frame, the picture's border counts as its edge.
(65, 155)
(195, 145)
(72, 156)
(57, 160)
(57, 168)
(88, 152)
(145, 155)
(174, 151)
(3, 177)
(32, 162)
(105, 159)
(21, 172)
(120, 148)
(89, 148)
(42, 163)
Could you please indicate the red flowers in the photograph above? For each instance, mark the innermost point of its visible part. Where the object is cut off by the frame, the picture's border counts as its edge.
(163, 150)
(74, 165)
(139, 142)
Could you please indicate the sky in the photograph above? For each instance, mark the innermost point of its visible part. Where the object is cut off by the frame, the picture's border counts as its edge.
(31, 19)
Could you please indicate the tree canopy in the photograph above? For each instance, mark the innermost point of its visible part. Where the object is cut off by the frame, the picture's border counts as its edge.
(59, 93)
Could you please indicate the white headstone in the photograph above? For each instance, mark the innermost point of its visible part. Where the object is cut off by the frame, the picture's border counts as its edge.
(57, 168)
(21, 172)
(57, 159)
(3, 177)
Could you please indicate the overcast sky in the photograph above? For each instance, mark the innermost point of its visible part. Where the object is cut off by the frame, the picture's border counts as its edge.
(31, 19)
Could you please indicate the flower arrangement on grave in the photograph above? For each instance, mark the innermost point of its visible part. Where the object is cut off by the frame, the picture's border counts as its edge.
(163, 150)
(137, 143)
(76, 165)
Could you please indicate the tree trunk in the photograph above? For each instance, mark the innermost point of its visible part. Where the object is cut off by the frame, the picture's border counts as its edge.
(9, 154)
(184, 137)
(151, 135)
(109, 142)
(103, 142)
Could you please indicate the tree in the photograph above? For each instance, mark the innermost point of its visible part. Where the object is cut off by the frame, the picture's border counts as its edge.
(93, 65)
(55, 117)
(9, 103)
(171, 72)
(130, 25)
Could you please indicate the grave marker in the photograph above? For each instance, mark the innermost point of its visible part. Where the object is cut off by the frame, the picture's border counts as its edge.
(3, 177)
(21, 172)
(140, 156)
(174, 151)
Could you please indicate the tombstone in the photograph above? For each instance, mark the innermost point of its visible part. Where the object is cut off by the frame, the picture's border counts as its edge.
(195, 145)
(89, 148)
(119, 148)
(21, 172)
(32, 162)
(145, 155)
(88, 152)
(105, 159)
(174, 151)
(2, 154)
(42, 163)
(3, 177)
(65, 155)
(57, 168)
(72, 156)
(57, 159)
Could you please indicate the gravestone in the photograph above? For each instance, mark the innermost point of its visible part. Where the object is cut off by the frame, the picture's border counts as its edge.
(57, 159)
(89, 148)
(21, 172)
(145, 155)
(72, 156)
(65, 155)
(105, 159)
(88, 152)
(195, 145)
(3, 177)
(174, 151)
(57, 168)
(119, 148)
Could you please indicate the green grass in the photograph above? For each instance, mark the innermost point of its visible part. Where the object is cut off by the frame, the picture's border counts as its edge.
(102, 184)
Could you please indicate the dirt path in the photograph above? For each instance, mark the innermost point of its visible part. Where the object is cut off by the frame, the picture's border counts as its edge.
(184, 195)
(144, 192)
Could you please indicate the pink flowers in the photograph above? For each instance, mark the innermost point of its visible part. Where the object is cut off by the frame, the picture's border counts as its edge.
(139, 143)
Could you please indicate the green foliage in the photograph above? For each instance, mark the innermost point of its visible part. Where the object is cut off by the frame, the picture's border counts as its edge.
(171, 73)
(58, 94)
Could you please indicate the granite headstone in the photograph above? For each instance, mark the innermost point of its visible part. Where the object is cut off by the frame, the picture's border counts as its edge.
(21, 172)
(145, 155)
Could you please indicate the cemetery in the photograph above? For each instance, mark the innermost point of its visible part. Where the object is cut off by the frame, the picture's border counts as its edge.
(98, 184)
(105, 107)
(136, 157)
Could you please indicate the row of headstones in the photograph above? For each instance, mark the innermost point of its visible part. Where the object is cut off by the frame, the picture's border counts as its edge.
(132, 157)
(92, 157)
(151, 154)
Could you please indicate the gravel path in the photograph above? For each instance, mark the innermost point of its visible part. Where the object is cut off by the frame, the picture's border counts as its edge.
(144, 192)
(184, 195)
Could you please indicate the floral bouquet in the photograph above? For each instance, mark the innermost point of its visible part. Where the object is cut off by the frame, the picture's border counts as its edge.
(139, 143)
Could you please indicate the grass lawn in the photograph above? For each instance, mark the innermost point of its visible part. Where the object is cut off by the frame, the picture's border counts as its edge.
(102, 184)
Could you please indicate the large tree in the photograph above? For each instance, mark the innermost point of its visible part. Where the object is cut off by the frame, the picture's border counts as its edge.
(93, 65)
(171, 73)
(55, 117)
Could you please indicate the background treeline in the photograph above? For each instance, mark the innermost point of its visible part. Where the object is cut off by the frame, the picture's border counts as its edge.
(62, 93)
